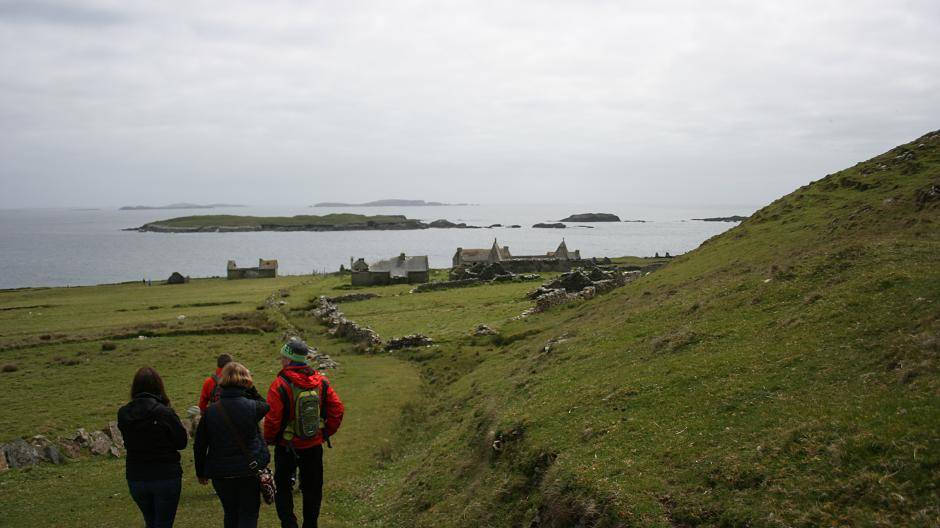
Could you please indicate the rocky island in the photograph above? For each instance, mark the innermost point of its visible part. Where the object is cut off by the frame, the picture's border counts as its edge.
(734, 218)
(182, 205)
(591, 217)
(234, 223)
(385, 203)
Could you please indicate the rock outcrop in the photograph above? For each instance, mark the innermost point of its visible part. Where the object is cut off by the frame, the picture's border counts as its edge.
(546, 225)
(20, 453)
(591, 217)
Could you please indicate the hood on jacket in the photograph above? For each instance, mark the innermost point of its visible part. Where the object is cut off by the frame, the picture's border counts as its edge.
(305, 376)
(141, 407)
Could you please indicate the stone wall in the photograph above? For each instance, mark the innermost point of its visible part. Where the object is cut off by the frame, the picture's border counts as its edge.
(328, 313)
(576, 286)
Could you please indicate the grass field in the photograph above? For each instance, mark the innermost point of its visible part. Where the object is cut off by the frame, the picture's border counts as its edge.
(783, 374)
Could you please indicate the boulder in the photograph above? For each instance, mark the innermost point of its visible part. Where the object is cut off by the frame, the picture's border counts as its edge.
(20, 453)
(573, 281)
(99, 443)
(81, 437)
(591, 217)
(69, 448)
(115, 434)
(51, 453)
(40, 442)
(483, 330)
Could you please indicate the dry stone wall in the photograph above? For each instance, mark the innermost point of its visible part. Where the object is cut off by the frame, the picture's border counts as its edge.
(578, 285)
(328, 313)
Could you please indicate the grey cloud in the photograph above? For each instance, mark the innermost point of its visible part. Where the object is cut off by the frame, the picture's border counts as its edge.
(64, 13)
(641, 101)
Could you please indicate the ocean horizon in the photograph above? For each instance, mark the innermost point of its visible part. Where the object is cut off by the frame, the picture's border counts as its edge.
(82, 246)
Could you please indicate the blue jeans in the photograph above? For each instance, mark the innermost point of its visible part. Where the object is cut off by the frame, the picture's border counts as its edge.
(241, 500)
(157, 500)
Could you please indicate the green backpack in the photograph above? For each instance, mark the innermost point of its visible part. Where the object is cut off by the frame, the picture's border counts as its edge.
(308, 411)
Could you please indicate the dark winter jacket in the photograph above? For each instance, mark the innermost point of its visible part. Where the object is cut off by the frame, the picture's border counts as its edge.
(216, 450)
(153, 436)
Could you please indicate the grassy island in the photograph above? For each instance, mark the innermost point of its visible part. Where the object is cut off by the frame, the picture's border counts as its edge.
(330, 222)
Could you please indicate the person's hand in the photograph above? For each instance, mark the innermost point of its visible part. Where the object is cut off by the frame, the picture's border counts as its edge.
(203, 480)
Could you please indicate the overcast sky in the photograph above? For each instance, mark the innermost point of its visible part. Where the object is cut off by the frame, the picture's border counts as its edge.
(122, 102)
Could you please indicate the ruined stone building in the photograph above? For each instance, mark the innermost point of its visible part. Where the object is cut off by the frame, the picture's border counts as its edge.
(265, 269)
(561, 259)
(400, 269)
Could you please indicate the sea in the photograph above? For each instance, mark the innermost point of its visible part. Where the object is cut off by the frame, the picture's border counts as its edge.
(76, 247)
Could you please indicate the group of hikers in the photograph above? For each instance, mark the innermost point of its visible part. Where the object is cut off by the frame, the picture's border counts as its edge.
(301, 412)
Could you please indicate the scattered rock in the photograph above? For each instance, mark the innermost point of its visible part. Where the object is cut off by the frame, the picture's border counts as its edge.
(483, 330)
(350, 297)
(81, 437)
(70, 448)
(733, 218)
(51, 454)
(115, 434)
(19, 454)
(409, 341)
(99, 443)
(572, 281)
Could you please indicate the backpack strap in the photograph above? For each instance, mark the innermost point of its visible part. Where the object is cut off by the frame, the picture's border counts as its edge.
(324, 387)
(252, 463)
(287, 402)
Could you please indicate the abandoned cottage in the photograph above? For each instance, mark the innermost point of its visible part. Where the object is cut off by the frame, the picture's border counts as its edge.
(400, 269)
(559, 260)
(265, 269)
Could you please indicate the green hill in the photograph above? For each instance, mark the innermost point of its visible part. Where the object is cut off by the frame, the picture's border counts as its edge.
(783, 374)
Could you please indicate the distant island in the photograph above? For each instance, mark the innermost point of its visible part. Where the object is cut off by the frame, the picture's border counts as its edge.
(591, 217)
(734, 218)
(182, 205)
(234, 223)
(385, 203)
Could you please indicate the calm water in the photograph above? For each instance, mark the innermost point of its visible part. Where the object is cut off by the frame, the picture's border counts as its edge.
(58, 247)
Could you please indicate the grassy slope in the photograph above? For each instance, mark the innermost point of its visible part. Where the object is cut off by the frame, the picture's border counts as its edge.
(257, 221)
(703, 394)
(783, 374)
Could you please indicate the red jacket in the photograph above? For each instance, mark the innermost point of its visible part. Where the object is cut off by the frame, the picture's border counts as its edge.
(207, 387)
(282, 412)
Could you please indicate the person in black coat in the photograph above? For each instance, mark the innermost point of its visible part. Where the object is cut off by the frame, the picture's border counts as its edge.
(220, 457)
(153, 436)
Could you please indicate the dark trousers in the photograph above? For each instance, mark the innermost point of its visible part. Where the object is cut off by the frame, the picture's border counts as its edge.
(241, 500)
(157, 500)
(309, 462)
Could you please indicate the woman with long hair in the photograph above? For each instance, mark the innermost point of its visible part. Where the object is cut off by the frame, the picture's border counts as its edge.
(229, 448)
(153, 436)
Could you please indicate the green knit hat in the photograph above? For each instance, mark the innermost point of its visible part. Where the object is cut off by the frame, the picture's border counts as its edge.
(295, 350)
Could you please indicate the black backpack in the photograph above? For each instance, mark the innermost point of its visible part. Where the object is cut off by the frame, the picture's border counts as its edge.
(216, 393)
